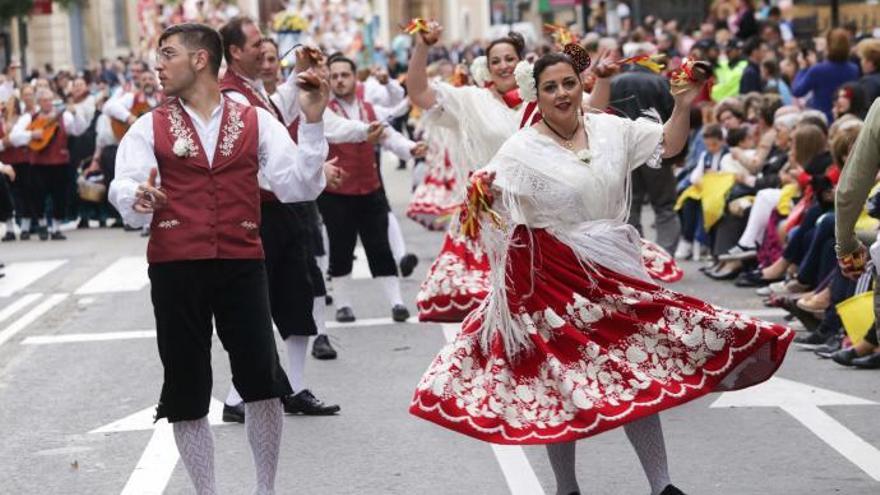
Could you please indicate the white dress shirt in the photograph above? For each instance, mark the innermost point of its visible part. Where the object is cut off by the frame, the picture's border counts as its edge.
(293, 172)
(336, 128)
(392, 140)
(120, 108)
(74, 124)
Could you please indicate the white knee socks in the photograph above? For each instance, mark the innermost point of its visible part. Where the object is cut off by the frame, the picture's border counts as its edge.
(646, 437)
(319, 315)
(395, 238)
(297, 348)
(263, 421)
(562, 457)
(195, 442)
(391, 287)
(233, 398)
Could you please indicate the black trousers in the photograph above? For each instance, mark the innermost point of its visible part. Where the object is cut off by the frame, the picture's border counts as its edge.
(286, 240)
(49, 181)
(6, 204)
(349, 217)
(22, 196)
(187, 296)
(659, 186)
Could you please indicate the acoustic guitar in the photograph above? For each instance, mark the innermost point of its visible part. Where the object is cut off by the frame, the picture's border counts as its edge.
(120, 127)
(48, 126)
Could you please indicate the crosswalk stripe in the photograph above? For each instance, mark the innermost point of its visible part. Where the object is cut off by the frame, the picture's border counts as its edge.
(88, 337)
(30, 317)
(18, 305)
(521, 478)
(127, 274)
(21, 274)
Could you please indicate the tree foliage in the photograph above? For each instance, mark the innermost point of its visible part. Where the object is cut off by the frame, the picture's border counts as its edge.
(18, 8)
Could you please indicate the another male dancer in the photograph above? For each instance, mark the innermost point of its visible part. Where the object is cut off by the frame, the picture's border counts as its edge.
(285, 230)
(205, 253)
(358, 207)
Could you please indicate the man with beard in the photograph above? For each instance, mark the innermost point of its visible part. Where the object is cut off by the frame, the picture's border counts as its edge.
(357, 207)
(285, 228)
(205, 253)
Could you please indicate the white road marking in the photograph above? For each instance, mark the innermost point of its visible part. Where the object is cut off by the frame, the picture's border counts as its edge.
(20, 275)
(31, 316)
(802, 402)
(18, 305)
(371, 322)
(520, 477)
(153, 470)
(762, 312)
(127, 274)
(88, 337)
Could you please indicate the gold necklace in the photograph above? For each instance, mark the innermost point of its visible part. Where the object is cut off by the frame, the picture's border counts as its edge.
(567, 142)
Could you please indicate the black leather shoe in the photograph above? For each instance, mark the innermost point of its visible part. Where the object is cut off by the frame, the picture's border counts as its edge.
(810, 340)
(408, 263)
(83, 224)
(307, 404)
(344, 315)
(671, 490)
(43, 233)
(10, 236)
(845, 357)
(58, 236)
(321, 348)
(399, 313)
(25, 235)
(233, 414)
(869, 362)
(826, 350)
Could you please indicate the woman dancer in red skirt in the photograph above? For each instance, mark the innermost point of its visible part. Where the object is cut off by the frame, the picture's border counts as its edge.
(574, 338)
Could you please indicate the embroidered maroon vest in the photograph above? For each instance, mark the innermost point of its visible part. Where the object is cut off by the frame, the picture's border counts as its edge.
(55, 154)
(213, 212)
(358, 160)
(14, 155)
(234, 82)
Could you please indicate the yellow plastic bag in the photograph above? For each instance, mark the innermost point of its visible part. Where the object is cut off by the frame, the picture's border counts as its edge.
(857, 315)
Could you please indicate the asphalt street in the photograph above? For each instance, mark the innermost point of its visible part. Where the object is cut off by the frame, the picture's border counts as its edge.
(80, 374)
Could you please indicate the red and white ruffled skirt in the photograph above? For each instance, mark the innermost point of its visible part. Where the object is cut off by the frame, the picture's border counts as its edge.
(606, 350)
(433, 201)
(457, 282)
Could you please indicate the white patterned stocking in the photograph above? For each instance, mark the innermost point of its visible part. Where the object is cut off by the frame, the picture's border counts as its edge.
(562, 457)
(195, 442)
(646, 437)
(263, 421)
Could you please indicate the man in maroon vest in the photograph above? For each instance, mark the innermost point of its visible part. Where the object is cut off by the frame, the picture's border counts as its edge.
(357, 207)
(205, 252)
(284, 231)
(49, 163)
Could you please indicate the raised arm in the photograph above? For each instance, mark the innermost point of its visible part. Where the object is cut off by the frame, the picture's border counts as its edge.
(677, 128)
(420, 92)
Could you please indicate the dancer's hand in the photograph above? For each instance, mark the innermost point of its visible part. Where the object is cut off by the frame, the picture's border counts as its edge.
(432, 36)
(314, 95)
(8, 171)
(605, 65)
(335, 176)
(148, 197)
(374, 132)
(853, 265)
(419, 150)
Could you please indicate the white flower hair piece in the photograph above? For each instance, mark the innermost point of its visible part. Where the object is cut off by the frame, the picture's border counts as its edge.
(480, 70)
(524, 73)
